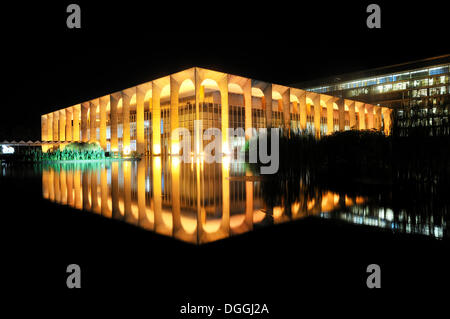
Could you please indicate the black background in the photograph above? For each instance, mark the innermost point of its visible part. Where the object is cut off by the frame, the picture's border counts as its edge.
(294, 269)
(46, 66)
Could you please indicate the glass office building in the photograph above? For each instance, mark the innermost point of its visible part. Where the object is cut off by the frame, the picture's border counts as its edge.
(418, 91)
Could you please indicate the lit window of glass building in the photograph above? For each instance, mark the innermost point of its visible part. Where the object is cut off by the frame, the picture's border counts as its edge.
(418, 91)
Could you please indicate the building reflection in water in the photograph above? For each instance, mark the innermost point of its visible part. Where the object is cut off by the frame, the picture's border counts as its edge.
(198, 202)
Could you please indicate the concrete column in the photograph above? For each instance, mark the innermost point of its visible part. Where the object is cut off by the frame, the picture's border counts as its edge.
(268, 101)
(160, 226)
(55, 126)
(141, 168)
(223, 86)
(302, 110)
(370, 119)
(362, 115)
(114, 101)
(76, 123)
(93, 120)
(44, 128)
(45, 186)
(103, 101)
(249, 201)
(50, 127)
(85, 187)
(341, 109)
(156, 118)
(77, 187)
(68, 124)
(225, 224)
(377, 118)
(140, 136)
(202, 93)
(286, 99)
(247, 88)
(330, 117)
(148, 148)
(199, 96)
(84, 119)
(129, 217)
(105, 192)
(51, 184)
(56, 186)
(115, 213)
(387, 120)
(174, 138)
(95, 206)
(352, 115)
(69, 181)
(126, 98)
(178, 230)
(63, 186)
(62, 126)
(317, 114)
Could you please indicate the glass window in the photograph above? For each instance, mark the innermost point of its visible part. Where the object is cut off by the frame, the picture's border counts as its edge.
(400, 86)
(387, 88)
(438, 70)
(420, 73)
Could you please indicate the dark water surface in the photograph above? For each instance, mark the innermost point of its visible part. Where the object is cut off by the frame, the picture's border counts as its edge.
(200, 203)
(155, 234)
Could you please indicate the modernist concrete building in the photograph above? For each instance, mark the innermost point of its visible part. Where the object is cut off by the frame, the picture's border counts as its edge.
(141, 118)
(419, 91)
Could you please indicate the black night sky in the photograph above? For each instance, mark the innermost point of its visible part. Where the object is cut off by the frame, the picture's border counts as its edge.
(46, 66)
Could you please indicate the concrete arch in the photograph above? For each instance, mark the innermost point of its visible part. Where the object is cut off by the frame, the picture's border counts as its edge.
(276, 95)
(257, 92)
(293, 98)
(235, 88)
(298, 101)
(165, 91)
(148, 95)
(221, 79)
(157, 87)
(211, 225)
(241, 85)
(266, 88)
(188, 223)
(210, 84)
(313, 99)
(187, 88)
(236, 221)
(94, 107)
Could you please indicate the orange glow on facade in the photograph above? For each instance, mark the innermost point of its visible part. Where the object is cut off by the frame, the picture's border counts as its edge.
(121, 122)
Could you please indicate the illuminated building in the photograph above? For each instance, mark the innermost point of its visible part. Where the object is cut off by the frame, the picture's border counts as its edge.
(419, 91)
(141, 118)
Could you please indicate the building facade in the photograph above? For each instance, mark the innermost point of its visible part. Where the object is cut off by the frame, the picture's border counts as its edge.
(418, 91)
(141, 118)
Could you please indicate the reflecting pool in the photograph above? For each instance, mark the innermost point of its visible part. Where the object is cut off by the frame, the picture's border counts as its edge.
(200, 203)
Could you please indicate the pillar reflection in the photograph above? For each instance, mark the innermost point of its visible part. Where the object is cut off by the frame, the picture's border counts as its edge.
(193, 202)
